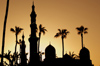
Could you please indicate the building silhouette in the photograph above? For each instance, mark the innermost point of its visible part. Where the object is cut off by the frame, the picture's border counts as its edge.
(50, 51)
(34, 57)
(50, 55)
(85, 57)
(23, 58)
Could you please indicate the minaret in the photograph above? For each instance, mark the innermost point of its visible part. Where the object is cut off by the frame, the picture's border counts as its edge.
(33, 38)
(23, 54)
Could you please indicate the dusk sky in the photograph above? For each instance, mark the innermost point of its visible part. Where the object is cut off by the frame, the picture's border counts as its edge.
(53, 15)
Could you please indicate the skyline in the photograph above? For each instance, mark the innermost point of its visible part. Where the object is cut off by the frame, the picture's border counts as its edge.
(55, 14)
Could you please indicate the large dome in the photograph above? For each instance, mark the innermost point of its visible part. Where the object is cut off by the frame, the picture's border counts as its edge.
(84, 53)
(50, 52)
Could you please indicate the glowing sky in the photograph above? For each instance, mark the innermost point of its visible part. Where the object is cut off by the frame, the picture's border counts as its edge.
(55, 14)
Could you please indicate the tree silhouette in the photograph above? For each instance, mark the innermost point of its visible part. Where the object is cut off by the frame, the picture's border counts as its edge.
(73, 55)
(4, 30)
(19, 42)
(16, 31)
(41, 30)
(63, 33)
(82, 30)
(40, 55)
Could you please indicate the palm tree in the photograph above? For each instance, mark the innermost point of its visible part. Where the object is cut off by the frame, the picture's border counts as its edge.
(63, 33)
(16, 31)
(4, 30)
(73, 55)
(82, 30)
(41, 30)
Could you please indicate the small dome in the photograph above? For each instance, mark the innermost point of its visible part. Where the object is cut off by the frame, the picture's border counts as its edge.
(50, 47)
(84, 49)
(50, 52)
(84, 53)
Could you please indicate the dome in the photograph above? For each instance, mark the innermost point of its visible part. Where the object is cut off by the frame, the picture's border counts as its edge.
(84, 53)
(50, 52)
(50, 47)
(84, 49)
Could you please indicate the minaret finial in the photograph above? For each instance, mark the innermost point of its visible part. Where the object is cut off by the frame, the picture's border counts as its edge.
(49, 42)
(23, 36)
(33, 2)
(33, 14)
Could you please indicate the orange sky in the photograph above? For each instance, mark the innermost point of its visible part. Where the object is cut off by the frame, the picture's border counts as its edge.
(54, 14)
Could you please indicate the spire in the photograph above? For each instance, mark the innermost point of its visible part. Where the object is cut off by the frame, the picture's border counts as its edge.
(23, 42)
(22, 52)
(33, 5)
(23, 36)
(33, 2)
(33, 14)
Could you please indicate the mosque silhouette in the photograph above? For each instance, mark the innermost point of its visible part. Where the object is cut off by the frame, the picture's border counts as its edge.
(50, 52)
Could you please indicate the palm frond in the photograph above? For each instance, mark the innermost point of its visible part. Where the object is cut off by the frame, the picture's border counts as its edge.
(64, 30)
(79, 32)
(42, 29)
(40, 26)
(82, 30)
(73, 52)
(21, 29)
(59, 30)
(57, 35)
(85, 32)
(67, 32)
(86, 29)
(45, 29)
(12, 30)
(78, 28)
(18, 30)
(43, 32)
(70, 53)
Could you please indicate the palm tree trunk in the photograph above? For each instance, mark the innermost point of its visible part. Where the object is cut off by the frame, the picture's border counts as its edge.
(16, 44)
(4, 30)
(15, 51)
(39, 41)
(62, 47)
(82, 39)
